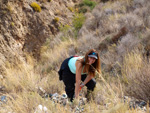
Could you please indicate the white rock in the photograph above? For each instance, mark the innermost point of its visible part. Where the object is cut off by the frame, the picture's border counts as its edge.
(55, 95)
(40, 107)
(45, 109)
(42, 89)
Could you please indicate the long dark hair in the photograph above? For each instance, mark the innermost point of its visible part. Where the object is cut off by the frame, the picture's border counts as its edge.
(91, 69)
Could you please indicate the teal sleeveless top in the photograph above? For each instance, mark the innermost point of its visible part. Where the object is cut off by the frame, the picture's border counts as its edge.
(72, 65)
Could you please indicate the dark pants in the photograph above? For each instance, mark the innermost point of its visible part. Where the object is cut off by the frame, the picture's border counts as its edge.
(69, 80)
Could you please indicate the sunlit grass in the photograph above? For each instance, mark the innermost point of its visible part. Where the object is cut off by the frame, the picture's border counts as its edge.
(132, 61)
(20, 78)
(136, 71)
(24, 82)
(23, 95)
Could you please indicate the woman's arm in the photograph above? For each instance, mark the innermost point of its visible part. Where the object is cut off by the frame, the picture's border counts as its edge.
(88, 78)
(78, 79)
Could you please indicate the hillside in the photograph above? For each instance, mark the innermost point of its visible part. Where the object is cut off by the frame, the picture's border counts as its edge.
(116, 29)
(24, 29)
(37, 35)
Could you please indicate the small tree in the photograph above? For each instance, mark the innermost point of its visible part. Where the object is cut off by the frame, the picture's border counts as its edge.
(78, 21)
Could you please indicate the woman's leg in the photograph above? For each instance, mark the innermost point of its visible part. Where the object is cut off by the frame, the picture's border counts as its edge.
(69, 80)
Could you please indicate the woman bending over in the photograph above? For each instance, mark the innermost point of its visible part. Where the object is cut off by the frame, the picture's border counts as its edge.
(77, 69)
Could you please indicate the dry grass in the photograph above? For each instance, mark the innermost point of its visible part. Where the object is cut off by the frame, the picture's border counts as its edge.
(23, 94)
(28, 103)
(22, 78)
(23, 84)
(136, 72)
(22, 87)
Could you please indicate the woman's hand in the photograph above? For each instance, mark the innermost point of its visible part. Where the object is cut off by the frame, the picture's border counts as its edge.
(82, 85)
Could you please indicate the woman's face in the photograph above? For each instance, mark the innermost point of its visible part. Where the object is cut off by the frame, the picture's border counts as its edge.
(91, 60)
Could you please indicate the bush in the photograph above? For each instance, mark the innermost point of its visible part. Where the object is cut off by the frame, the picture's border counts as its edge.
(71, 9)
(83, 10)
(78, 21)
(64, 28)
(89, 3)
(136, 72)
(12, 24)
(36, 6)
(85, 6)
(56, 19)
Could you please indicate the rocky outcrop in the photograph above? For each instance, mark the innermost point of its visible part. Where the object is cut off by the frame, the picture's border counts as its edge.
(22, 29)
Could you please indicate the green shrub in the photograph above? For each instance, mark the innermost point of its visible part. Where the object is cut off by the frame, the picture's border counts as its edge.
(56, 19)
(78, 21)
(89, 3)
(81, 5)
(12, 23)
(70, 8)
(64, 28)
(36, 6)
(9, 8)
(85, 6)
(83, 10)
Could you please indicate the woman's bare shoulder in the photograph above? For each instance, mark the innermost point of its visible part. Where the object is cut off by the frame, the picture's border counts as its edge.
(80, 59)
(79, 62)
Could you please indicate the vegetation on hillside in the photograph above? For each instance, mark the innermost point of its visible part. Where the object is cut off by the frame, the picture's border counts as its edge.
(36, 6)
(117, 30)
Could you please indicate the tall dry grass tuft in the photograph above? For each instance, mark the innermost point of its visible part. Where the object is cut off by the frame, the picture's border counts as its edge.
(109, 87)
(136, 71)
(21, 77)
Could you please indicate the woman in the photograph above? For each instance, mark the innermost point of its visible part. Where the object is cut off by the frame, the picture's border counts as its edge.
(78, 68)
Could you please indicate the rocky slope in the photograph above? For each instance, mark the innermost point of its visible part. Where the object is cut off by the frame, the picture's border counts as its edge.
(22, 29)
